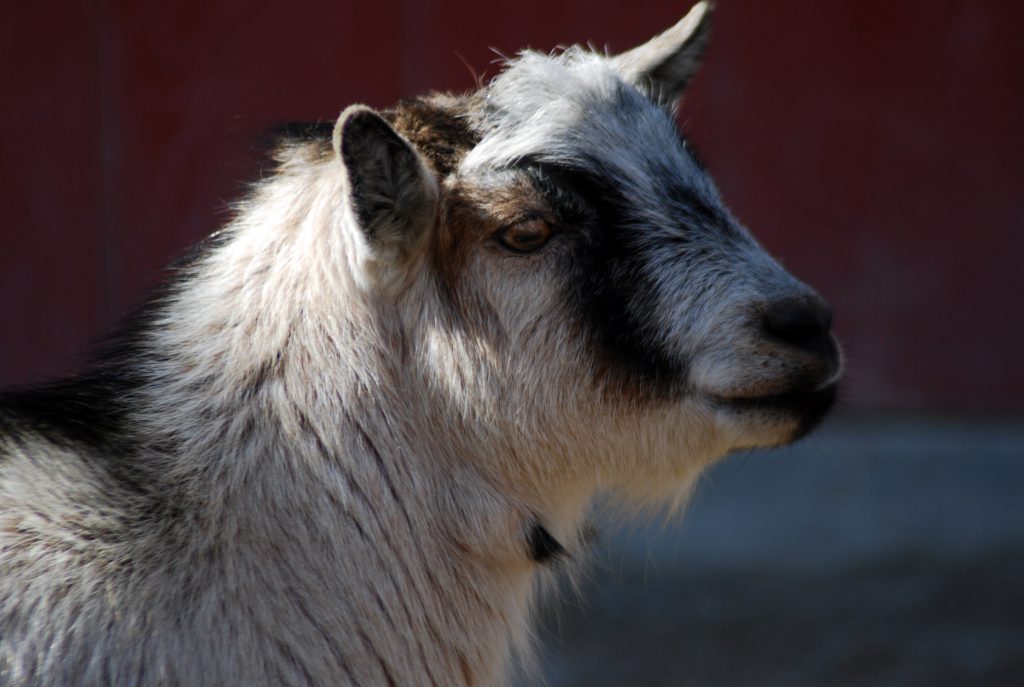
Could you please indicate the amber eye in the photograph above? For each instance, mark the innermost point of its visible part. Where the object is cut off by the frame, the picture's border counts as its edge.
(525, 236)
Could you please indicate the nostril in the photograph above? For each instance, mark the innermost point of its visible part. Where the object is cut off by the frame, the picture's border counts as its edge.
(802, 323)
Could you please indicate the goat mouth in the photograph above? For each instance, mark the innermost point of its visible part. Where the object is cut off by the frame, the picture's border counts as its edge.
(808, 407)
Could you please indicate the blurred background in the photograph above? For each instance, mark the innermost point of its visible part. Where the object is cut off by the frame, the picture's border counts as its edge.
(876, 148)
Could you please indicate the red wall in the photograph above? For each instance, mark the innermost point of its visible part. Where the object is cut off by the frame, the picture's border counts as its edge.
(878, 148)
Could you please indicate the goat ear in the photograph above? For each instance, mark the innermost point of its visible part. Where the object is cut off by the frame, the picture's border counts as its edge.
(663, 65)
(392, 194)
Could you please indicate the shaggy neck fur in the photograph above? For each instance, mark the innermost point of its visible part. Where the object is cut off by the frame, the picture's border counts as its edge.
(396, 556)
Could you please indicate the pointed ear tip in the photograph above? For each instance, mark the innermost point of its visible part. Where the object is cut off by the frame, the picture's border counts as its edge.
(355, 110)
(348, 114)
(697, 18)
(703, 7)
(353, 115)
(700, 12)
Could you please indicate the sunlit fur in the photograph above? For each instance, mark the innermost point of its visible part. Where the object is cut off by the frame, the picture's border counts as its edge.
(325, 453)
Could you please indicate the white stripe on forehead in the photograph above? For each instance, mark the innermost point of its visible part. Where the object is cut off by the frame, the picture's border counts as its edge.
(574, 108)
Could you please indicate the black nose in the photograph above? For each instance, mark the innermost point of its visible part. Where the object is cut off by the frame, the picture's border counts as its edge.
(800, 322)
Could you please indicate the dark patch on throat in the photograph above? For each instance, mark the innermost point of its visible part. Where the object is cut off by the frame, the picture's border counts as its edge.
(543, 547)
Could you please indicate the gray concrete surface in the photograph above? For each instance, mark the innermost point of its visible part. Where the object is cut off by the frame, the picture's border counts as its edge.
(879, 551)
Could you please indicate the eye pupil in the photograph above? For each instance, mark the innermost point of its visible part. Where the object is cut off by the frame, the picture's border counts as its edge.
(525, 237)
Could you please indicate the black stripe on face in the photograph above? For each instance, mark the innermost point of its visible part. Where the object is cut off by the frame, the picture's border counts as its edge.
(608, 284)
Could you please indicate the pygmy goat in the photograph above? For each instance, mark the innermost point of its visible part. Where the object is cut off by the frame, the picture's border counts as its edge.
(342, 446)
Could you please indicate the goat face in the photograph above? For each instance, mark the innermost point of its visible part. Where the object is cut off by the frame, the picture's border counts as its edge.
(591, 268)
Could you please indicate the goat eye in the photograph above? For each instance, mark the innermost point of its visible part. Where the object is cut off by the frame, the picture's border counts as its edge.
(526, 236)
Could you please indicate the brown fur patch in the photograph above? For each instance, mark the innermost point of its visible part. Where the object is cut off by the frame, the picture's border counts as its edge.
(470, 215)
(437, 126)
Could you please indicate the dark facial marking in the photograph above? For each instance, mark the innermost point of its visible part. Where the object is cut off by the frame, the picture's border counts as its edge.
(607, 278)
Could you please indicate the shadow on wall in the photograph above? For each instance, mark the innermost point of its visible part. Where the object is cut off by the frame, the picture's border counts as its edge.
(878, 552)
